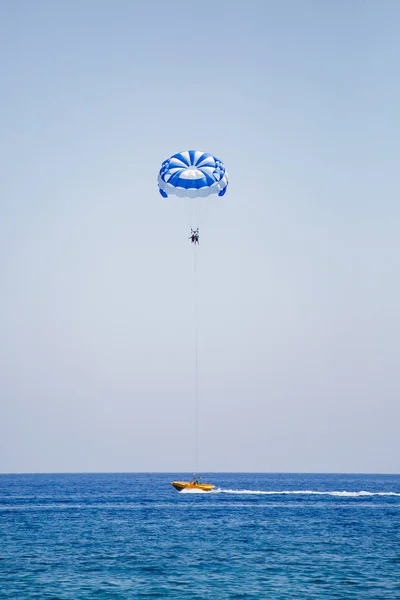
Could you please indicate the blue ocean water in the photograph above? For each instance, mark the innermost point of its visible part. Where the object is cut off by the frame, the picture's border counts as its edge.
(127, 536)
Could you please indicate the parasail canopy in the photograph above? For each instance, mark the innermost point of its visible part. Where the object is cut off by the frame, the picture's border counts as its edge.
(192, 173)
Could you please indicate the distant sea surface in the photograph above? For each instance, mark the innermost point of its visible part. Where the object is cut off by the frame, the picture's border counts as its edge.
(260, 536)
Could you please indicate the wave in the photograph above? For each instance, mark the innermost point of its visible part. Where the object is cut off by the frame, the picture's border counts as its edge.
(304, 493)
(193, 491)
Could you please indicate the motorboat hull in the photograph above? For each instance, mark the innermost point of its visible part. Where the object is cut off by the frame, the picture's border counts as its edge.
(192, 485)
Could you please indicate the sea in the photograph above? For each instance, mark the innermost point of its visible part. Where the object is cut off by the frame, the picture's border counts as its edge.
(123, 536)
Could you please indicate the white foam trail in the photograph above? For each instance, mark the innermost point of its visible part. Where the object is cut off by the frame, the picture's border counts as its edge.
(304, 493)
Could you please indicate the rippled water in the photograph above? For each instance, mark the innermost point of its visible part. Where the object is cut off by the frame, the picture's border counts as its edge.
(123, 536)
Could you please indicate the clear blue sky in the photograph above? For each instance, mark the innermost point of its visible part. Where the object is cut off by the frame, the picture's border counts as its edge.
(298, 268)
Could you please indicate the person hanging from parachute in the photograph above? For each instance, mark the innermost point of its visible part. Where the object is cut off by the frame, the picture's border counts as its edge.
(195, 175)
(194, 236)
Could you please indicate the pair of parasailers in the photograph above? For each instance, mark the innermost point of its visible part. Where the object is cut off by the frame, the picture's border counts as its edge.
(194, 236)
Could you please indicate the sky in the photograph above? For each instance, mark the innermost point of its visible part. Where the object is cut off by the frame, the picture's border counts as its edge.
(298, 265)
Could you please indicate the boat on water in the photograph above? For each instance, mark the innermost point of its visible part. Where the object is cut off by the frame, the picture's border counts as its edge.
(192, 485)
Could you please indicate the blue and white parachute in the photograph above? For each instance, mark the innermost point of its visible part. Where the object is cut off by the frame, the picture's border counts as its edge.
(192, 173)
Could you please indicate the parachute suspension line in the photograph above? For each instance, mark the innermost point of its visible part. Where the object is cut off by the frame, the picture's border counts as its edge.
(194, 214)
(196, 361)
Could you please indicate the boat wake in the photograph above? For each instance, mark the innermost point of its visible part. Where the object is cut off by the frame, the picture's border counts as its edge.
(193, 491)
(343, 494)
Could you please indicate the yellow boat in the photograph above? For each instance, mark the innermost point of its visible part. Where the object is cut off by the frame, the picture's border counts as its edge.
(192, 485)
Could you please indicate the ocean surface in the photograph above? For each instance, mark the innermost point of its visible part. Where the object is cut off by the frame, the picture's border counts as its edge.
(275, 536)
